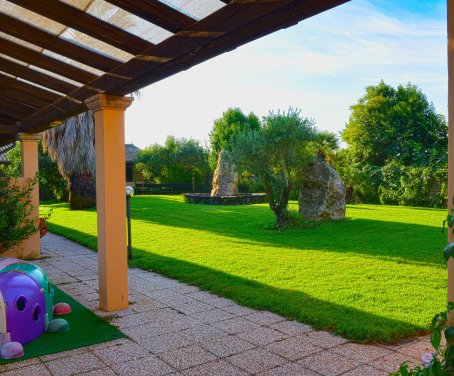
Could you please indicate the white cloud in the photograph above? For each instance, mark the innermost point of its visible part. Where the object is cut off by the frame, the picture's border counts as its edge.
(321, 65)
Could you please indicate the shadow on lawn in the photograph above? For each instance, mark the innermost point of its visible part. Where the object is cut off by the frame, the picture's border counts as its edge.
(390, 240)
(349, 322)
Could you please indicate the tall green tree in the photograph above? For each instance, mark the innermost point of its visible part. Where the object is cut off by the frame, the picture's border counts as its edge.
(177, 161)
(227, 127)
(395, 124)
(396, 137)
(276, 153)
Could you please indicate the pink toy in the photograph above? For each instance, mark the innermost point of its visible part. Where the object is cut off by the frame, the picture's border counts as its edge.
(61, 309)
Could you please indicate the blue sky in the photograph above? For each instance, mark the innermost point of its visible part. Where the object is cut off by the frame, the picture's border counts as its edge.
(321, 66)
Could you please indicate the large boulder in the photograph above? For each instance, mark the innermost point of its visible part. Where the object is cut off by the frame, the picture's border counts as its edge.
(225, 179)
(322, 195)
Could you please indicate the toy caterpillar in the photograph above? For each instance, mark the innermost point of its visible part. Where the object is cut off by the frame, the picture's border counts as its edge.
(26, 306)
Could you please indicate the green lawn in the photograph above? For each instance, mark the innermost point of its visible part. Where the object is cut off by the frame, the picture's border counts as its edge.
(379, 276)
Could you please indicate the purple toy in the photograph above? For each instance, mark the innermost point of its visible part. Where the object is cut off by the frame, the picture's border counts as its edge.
(24, 305)
(4, 262)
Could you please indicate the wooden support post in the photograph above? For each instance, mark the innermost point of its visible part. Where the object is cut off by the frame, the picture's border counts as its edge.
(111, 199)
(450, 143)
(30, 248)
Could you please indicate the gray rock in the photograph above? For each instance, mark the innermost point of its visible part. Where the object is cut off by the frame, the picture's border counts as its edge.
(225, 179)
(12, 350)
(322, 195)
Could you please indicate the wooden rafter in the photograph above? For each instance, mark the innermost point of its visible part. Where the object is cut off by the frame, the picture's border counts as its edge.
(30, 56)
(87, 24)
(33, 75)
(238, 22)
(51, 42)
(157, 13)
(9, 129)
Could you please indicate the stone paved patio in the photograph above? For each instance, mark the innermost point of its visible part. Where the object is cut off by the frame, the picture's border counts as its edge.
(177, 329)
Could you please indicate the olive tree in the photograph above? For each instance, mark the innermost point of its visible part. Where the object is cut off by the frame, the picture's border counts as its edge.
(276, 153)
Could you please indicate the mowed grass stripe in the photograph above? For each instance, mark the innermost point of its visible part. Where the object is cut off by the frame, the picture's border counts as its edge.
(377, 277)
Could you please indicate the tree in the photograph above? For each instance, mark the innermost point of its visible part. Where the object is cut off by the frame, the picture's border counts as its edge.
(399, 124)
(71, 146)
(52, 186)
(226, 128)
(178, 161)
(276, 152)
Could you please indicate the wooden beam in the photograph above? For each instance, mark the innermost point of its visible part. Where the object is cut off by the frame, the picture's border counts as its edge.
(87, 24)
(35, 76)
(23, 110)
(231, 26)
(29, 56)
(9, 129)
(24, 87)
(157, 13)
(24, 31)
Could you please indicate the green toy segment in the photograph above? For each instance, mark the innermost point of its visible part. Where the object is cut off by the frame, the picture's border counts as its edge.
(40, 276)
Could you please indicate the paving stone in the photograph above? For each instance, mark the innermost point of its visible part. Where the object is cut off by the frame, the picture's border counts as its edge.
(289, 369)
(212, 315)
(292, 328)
(150, 305)
(361, 353)
(20, 364)
(121, 352)
(150, 365)
(294, 348)
(328, 364)
(33, 370)
(236, 325)
(217, 368)
(63, 354)
(366, 371)
(186, 357)
(325, 339)
(238, 310)
(392, 362)
(416, 349)
(262, 336)
(74, 364)
(99, 372)
(264, 318)
(226, 346)
(256, 360)
(202, 333)
(166, 342)
(192, 307)
(104, 345)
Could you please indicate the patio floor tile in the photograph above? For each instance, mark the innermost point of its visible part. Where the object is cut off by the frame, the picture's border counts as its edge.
(262, 336)
(150, 365)
(236, 325)
(264, 318)
(226, 346)
(293, 348)
(289, 369)
(328, 364)
(33, 370)
(165, 342)
(292, 328)
(74, 364)
(186, 357)
(256, 360)
(121, 352)
(218, 368)
(325, 339)
(360, 353)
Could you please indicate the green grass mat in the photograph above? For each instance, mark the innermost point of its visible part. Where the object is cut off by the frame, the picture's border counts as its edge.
(85, 328)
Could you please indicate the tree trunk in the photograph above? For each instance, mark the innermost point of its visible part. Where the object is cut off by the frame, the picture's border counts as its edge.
(82, 192)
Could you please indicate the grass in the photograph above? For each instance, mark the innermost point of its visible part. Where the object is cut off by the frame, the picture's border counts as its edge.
(377, 277)
(85, 329)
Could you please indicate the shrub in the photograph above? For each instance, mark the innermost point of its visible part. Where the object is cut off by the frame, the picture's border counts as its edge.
(15, 209)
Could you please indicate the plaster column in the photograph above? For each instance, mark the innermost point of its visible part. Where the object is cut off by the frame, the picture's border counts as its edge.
(111, 199)
(450, 144)
(30, 248)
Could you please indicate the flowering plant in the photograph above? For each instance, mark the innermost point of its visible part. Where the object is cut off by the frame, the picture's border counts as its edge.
(42, 223)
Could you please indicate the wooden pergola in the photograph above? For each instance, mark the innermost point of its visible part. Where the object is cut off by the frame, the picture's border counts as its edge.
(59, 58)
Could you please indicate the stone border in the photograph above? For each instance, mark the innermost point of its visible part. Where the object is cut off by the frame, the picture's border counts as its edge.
(239, 199)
